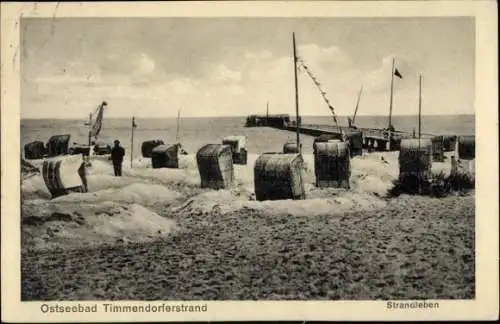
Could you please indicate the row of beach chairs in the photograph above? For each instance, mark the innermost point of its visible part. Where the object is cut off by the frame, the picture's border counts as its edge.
(416, 155)
(60, 145)
(277, 175)
(167, 155)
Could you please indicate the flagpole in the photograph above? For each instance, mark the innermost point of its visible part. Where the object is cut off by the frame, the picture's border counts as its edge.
(392, 89)
(390, 106)
(132, 142)
(420, 106)
(357, 105)
(296, 94)
(419, 125)
(178, 123)
(267, 113)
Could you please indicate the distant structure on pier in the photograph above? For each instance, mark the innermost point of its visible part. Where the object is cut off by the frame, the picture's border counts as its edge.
(278, 121)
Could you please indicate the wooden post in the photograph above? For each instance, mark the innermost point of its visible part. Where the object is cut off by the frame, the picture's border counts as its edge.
(296, 94)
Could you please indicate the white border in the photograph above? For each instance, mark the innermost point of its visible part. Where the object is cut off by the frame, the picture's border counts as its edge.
(485, 306)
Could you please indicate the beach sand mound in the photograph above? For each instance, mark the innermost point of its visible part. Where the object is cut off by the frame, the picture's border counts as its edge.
(136, 193)
(416, 248)
(216, 202)
(49, 224)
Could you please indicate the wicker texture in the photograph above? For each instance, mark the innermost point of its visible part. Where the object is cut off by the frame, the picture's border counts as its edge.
(332, 165)
(238, 149)
(148, 146)
(449, 143)
(467, 147)
(165, 156)
(236, 142)
(326, 138)
(278, 176)
(34, 150)
(415, 158)
(215, 165)
(438, 148)
(65, 175)
(354, 138)
(58, 145)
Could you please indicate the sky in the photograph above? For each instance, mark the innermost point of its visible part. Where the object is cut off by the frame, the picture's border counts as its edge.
(153, 67)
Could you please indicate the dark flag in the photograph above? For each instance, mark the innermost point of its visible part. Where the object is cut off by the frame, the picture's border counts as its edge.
(396, 73)
(134, 125)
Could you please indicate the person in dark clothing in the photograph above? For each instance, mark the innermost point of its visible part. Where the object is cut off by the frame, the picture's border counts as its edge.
(117, 154)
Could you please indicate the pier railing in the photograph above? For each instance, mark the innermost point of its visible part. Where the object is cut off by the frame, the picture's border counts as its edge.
(312, 129)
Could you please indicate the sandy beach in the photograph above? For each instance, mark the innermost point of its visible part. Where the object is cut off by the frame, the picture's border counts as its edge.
(154, 234)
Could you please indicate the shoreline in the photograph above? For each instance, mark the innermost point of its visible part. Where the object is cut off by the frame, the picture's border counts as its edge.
(243, 117)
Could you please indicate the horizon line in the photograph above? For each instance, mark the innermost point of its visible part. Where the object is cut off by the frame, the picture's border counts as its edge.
(245, 116)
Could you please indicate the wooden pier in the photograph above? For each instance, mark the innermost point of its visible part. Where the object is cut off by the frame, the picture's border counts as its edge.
(373, 138)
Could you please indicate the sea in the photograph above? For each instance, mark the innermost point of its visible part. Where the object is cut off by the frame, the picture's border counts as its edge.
(193, 133)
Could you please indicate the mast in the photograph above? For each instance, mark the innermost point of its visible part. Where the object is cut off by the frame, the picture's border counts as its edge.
(178, 125)
(357, 105)
(420, 106)
(419, 125)
(90, 128)
(296, 94)
(267, 113)
(392, 89)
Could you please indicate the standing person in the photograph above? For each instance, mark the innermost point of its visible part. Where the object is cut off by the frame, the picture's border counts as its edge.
(117, 154)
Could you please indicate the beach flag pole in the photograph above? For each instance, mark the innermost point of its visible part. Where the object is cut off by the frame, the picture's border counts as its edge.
(390, 104)
(357, 105)
(419, 125)
(296, 94)
(420, 106)
(267, 113)
(178, 125)
(392, 90)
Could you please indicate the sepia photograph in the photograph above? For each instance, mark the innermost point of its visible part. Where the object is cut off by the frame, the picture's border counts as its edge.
(246, 158)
